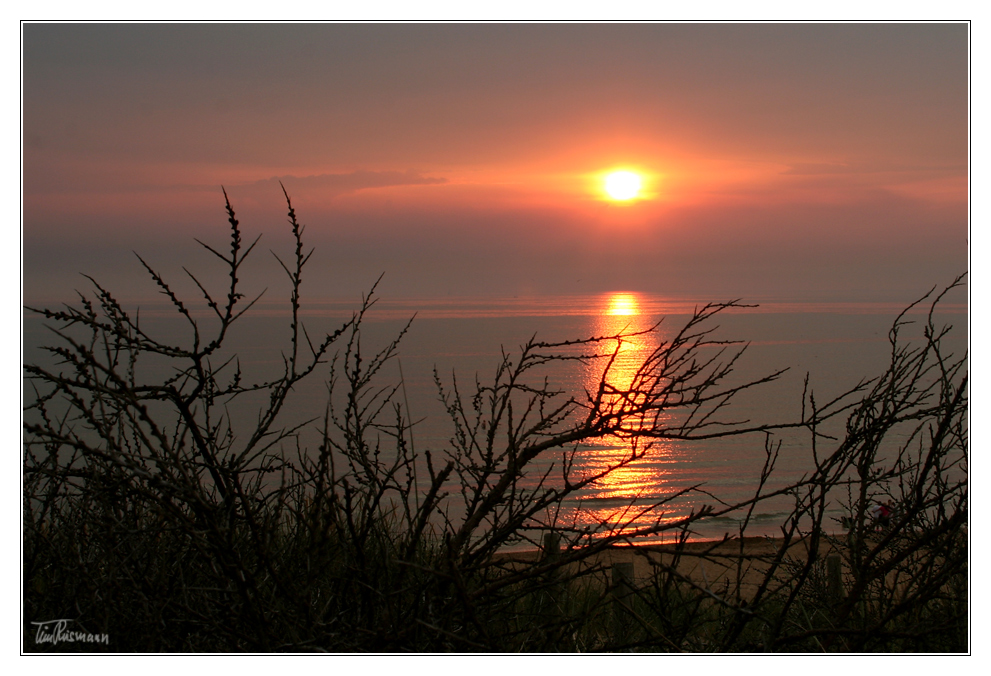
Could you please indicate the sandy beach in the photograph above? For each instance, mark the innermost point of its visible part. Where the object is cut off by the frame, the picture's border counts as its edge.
(709, 564)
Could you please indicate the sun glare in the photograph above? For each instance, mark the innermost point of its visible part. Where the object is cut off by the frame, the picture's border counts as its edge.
(623, 185)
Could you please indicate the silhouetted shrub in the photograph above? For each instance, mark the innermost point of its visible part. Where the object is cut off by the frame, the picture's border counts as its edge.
(149, 517)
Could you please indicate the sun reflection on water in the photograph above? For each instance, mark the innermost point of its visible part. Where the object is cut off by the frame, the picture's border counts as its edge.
(621, 317)
(607, 500)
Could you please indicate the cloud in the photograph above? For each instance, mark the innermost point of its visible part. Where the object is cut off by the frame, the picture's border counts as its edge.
(340, 184)
(826, 168)
(818, 168)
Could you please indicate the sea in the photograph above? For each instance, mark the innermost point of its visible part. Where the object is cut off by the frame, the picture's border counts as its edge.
(822, 349)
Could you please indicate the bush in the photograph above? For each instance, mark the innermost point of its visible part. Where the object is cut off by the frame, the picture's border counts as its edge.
(150, 518)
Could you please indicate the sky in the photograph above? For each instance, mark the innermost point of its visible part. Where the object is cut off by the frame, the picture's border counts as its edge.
(823, 161)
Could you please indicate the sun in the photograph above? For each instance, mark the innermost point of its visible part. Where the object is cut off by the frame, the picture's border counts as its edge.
(623, 186)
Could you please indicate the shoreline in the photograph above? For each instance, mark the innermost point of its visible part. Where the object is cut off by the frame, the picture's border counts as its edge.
(707, 563)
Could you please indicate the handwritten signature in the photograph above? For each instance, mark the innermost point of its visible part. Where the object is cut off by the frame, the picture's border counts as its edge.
(56, 631)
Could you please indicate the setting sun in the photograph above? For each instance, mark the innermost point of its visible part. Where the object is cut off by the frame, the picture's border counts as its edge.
(623, 185)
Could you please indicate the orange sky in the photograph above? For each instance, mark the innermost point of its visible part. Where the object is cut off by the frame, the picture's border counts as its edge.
(816, 161)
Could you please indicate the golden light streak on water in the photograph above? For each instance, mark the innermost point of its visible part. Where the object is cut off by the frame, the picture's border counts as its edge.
(608, 499)
(621, 317)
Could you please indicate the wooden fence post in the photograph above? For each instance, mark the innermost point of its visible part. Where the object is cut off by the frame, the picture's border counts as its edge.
(834, 577)
(551, 596)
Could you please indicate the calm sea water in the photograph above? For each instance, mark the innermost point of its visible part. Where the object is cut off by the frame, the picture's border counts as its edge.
(837, 345)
